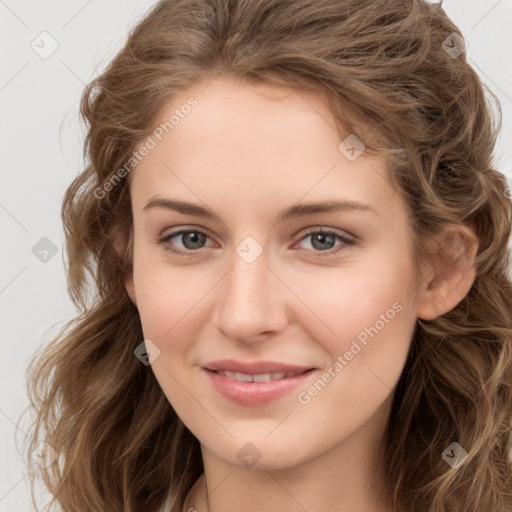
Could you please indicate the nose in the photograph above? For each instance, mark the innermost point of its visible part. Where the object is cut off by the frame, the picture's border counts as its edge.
(250, 302)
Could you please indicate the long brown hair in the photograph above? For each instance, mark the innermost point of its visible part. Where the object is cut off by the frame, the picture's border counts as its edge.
(121, 446)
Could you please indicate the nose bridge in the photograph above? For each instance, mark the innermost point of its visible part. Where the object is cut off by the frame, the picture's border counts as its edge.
(248, 300)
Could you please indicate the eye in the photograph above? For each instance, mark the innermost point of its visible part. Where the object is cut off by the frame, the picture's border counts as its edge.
(321, 241)
(192, 239)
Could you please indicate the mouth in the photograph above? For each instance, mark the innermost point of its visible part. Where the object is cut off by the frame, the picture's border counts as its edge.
(254, 384)
(260, 377)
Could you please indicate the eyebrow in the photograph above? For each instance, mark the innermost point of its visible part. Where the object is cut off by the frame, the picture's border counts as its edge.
(295, 211)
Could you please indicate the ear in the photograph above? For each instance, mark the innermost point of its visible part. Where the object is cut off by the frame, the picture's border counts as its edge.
(123, 245)
(130, 288)
(451, 271)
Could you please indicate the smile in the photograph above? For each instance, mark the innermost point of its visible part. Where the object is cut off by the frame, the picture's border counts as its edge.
(254, 384)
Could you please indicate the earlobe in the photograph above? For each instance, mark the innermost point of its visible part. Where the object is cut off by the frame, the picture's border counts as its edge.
(123, 245)
(130, 288)
(451, 271)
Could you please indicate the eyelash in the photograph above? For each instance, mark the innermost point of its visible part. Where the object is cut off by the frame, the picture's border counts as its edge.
(317, 254)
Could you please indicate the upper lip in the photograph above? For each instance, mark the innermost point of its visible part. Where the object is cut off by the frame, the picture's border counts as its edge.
(255, 368)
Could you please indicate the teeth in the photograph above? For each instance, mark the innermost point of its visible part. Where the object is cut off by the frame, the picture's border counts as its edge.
(243, 377)
(262, 377)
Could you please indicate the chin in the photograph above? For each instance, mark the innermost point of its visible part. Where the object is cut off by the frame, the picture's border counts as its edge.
(262, 455)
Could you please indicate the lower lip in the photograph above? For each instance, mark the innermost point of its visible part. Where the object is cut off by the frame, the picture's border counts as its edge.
(254, 393)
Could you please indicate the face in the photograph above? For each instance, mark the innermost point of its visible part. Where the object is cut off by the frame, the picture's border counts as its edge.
(277, 325)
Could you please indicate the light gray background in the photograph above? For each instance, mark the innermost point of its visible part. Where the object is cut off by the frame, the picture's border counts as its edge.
(42, 152)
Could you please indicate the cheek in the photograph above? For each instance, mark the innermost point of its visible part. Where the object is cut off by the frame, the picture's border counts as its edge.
(372, 320)
(370, 313)
(169, 303)
(359, 304)
(167, 298)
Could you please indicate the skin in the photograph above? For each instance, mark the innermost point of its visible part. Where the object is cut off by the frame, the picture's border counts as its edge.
(248, 151)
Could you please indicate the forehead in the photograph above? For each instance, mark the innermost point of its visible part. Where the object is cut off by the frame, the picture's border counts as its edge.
(243, 143)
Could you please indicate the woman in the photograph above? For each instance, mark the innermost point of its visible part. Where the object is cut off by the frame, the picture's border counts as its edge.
(232, 360)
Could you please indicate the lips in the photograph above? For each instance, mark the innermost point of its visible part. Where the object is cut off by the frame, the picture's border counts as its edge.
(255, 383)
